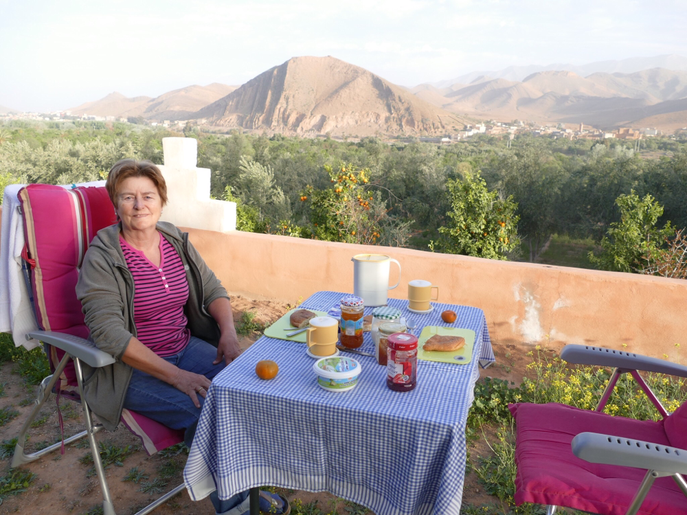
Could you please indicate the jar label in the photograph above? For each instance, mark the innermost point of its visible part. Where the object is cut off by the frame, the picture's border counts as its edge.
(352, 327)
(401, 366)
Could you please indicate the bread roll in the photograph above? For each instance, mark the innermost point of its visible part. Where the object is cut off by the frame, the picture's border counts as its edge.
(367, 324)
(441, 343)
(301, 317)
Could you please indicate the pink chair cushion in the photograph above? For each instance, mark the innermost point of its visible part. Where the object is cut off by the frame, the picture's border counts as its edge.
(675, 427)
(59, 224)
(549, 473)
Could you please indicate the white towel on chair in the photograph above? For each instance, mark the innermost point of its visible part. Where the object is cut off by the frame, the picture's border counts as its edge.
(16, 312)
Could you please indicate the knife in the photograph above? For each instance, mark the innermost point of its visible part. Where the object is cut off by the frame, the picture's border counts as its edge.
(297, 331)
(354, 351)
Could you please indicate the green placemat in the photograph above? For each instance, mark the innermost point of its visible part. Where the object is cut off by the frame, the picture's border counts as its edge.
(459, 357)
(276, 330)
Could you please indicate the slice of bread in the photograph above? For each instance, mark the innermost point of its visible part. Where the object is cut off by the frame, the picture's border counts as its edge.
(301, 317)
(442, 343)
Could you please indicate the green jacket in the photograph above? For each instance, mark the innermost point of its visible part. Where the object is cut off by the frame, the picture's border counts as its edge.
(106, 291)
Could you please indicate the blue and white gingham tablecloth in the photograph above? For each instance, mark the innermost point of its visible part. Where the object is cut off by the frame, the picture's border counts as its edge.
(395, 453)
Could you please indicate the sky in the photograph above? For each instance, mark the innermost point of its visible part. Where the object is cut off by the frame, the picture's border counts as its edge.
(57, 55)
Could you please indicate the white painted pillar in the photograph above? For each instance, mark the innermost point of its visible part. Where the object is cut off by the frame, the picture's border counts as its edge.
(188, 190)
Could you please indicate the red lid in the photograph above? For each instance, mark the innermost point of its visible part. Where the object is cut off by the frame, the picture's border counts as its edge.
(403, 341)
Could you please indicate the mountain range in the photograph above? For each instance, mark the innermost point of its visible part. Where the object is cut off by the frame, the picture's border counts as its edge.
(179, 104)
(655, 97)
(318, 95)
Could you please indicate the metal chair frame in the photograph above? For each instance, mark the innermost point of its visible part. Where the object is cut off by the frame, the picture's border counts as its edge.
(595, 448)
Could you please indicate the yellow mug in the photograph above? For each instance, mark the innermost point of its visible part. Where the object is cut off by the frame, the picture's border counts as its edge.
(322, 336)
(420, 293)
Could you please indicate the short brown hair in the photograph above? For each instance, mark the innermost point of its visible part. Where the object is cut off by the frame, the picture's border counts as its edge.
(127, 168)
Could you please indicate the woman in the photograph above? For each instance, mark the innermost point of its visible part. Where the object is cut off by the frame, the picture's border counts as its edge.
(151, 302)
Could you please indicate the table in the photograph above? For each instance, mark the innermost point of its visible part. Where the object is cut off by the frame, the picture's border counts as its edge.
(395, 453)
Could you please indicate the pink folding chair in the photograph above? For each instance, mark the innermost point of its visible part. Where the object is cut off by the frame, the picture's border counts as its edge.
(59, 224)
(598, 463)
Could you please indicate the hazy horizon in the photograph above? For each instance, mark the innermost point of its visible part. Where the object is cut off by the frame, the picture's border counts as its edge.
(60, 55)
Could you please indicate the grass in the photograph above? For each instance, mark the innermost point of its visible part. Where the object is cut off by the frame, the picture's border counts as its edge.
(247, 324)
(7, 414)
(135, 475)
(566, 251)
(7, 448)
(32, 365)
(110, 454)
(15, 482)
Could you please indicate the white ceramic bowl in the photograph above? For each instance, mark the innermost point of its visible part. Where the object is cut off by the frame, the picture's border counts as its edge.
(337, 374)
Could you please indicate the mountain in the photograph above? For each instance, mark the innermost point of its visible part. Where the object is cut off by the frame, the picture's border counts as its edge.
(604, 100)
(174, 105)
(114, 104)
(630, 65)
(4, 110)
(325, 95)
(181, 103)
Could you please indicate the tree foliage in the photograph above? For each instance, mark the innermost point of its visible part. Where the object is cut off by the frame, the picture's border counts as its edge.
(481, 224)
(348, 211)
(636, 236)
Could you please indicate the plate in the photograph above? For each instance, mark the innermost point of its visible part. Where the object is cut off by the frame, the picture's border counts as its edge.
(307, 351)
(421, 312)
(457, 357)
(276, 330)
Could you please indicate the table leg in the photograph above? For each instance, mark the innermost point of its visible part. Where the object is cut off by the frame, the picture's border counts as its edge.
(255, 501)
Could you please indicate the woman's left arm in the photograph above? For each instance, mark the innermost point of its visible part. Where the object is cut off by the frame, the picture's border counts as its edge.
(228, 346)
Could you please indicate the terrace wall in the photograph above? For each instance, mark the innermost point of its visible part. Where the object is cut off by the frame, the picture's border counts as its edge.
(524, 303)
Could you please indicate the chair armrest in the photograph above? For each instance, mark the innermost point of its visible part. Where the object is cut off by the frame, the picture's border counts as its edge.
(599, 356)
(626, 452)
(75, 346)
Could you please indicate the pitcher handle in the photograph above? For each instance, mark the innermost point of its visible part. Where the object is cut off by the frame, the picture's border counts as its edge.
(399, 273)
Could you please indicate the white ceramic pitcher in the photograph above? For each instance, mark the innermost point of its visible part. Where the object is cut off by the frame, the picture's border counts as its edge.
(371, 277)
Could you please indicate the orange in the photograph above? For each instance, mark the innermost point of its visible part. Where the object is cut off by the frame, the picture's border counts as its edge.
(266, 369)
(448, 316)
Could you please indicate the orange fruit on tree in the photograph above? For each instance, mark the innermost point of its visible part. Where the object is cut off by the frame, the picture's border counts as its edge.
(448, 316)
(266, 369)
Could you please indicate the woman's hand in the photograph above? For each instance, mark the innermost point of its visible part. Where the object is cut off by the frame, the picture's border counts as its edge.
(192, 385)
(227, 349)
(142, 358)
(228, 346)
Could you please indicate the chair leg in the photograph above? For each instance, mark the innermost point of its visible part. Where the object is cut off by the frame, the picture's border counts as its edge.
(20, 457)
(681, 482)
(551, 509)
(648, 480)
(254, 501)
(108, 507)
(161, 500)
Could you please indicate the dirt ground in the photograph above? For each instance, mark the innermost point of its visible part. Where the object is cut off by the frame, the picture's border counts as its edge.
(65, 485)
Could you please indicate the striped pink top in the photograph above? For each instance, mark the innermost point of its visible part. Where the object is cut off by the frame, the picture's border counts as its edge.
(160, 294)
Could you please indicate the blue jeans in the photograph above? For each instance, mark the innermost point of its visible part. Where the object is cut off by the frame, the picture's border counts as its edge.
(165, 404)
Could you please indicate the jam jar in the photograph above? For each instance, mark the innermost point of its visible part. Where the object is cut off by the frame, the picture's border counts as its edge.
(383, 315)
(389, 328)
(352, 321)
(401, 368)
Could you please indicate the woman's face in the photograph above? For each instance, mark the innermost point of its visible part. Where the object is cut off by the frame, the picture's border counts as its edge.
(138, 204)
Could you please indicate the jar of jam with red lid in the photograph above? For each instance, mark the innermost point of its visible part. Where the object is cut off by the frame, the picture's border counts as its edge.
(401, 366)
(352, 308)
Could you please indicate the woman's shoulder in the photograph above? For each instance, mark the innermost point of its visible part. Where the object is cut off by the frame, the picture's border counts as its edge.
(169, 229)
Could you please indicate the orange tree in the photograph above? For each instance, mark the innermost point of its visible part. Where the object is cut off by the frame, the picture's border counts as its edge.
(481, 224)
(348, 211)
